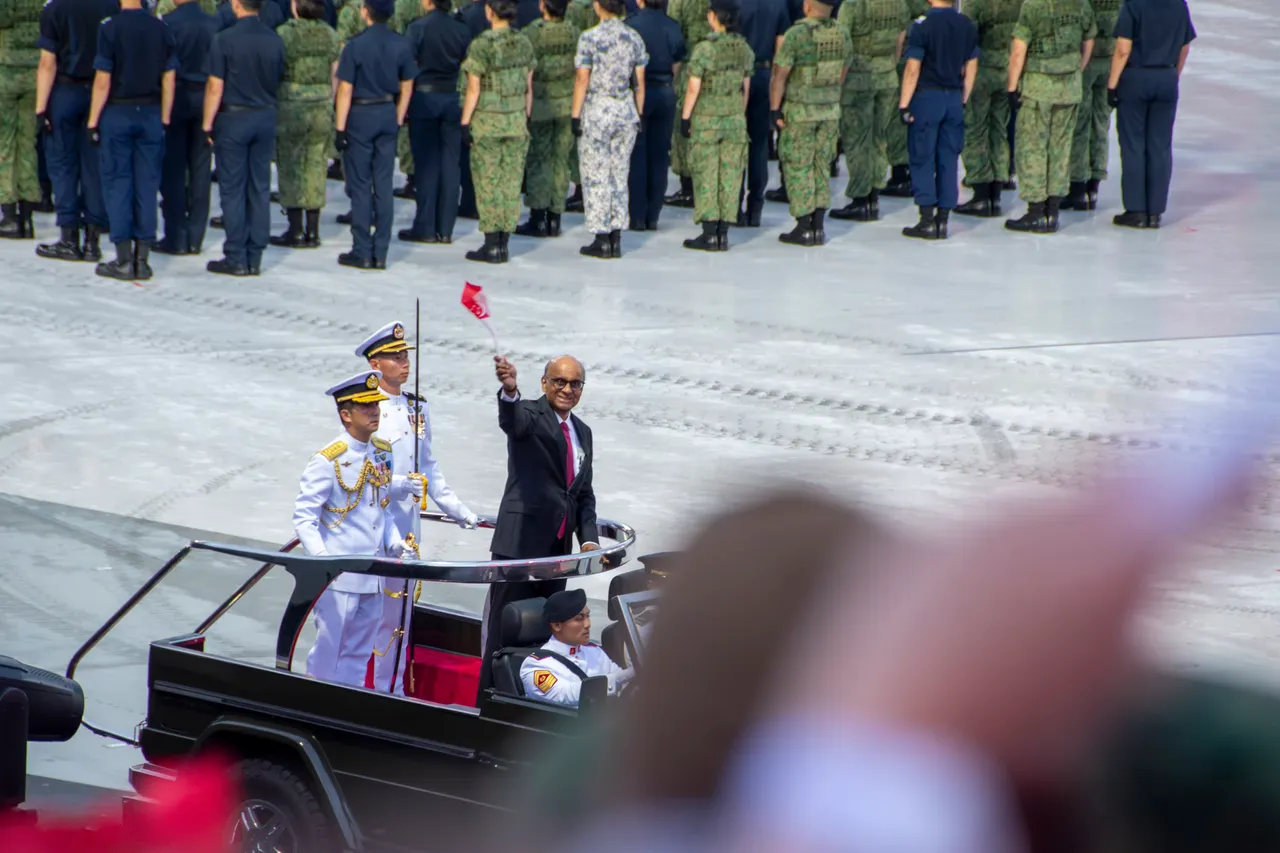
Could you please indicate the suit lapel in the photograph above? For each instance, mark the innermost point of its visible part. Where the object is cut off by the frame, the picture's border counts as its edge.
(562, 448)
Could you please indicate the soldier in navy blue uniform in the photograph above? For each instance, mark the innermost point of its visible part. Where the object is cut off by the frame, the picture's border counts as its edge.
(375, 84)
(762, 23)
(269, 13)
(68, 41)
(132, 100)
(651, 156)
(184, 177)
(942, 65)
(1153, 38)
(245, 65)
(439, 42)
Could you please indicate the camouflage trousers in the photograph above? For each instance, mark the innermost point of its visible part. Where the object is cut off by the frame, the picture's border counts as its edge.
(679, 145)
(864, 133)
(304, 130)
(1044, 149)
(986, 128)
(497, 167)
(605, 151)
(718, 158)
(19, 176)
(1089, 154)
(547, 167)
(897, 136)
(404, 152)
(805, 152)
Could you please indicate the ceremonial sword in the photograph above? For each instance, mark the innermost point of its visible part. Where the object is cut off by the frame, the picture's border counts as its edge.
(417, 428)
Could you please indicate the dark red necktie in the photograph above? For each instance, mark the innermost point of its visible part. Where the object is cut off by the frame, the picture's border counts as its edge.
(568, 470)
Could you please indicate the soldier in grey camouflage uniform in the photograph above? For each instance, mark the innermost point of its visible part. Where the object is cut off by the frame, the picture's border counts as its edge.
(19, 176)
(606, 117)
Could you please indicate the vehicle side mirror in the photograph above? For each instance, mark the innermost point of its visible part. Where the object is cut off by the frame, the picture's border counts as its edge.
(593, 694)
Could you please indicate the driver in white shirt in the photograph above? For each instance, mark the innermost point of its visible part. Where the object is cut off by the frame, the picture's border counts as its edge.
(550, 674)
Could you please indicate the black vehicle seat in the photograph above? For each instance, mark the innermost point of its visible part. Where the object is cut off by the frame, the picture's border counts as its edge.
(625, 583)
(523, 633)
(613, 641)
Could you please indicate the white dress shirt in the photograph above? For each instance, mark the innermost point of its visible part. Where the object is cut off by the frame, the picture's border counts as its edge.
(396, 427)
(365, 527)
(550, 680)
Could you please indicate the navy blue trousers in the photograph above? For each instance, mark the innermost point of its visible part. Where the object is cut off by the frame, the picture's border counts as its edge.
(185, 176)
(132, 151)
(651, 156)
(369, 164)
(1144, 123)
(73, 162)
(244, 143)
(435, 135)
(934, 142)
(758, 131)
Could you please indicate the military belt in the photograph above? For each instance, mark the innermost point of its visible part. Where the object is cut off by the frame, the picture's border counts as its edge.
(72, 81)
(239, 108)
(366, 102)
(193, 84)
(657, 80)
(434, 87)
(764, 64)
(142, 101)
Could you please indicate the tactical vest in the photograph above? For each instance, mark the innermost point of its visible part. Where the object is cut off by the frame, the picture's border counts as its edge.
(503, 86)
(18, 37)
(1107, 13)
(309, 50)
(555, 43)
(995, 35)
(875, 39)
(721, 92)
(820, 58)
(1056, 49)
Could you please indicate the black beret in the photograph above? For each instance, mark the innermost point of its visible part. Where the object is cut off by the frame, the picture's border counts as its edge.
(563, 606)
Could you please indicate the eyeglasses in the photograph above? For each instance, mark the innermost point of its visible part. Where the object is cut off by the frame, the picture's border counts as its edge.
(559, 383)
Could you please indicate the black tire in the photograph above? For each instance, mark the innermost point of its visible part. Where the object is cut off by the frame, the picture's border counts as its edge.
(271, 791)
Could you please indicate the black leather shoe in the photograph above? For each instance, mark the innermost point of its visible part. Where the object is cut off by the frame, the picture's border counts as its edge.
(407, 235)
(66, 249)
(802, 234)
(122, 267)
(163, 247)
(574, 203)
(406, 191)
(1153, 220)
(637, 226)
(216, 222)
(1130, 219)
(45, 204)
(444, 238)
(351, 259)
(601, 247)
(222, 266)
(379, 264)
(779, 195)
(344, 218)
(899, 185)
(682, 197)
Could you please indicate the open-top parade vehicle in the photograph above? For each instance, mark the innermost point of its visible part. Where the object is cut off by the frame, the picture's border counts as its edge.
(324, 766)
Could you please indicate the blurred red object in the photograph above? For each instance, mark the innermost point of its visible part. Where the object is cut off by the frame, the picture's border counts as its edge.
(193, 815)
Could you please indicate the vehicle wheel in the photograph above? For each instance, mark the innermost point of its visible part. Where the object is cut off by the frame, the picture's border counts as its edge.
(278, 814)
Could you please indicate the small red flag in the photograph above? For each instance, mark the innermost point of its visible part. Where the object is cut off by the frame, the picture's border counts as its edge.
(474, 300)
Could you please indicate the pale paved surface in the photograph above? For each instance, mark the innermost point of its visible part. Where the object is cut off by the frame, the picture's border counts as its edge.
(911, 376)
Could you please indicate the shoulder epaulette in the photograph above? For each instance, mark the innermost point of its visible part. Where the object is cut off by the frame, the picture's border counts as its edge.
(381, 443)
(408, 394)
(334, 450)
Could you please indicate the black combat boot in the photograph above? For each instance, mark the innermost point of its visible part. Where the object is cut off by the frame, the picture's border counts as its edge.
(45, 204)
(1130, 219)
(378, 264)
(574, 203)
(780, 194)
(217, 222)
(335, 171)
(121, 267)
(927, 227)
(292, 237)
(802, 234)
(10, 224)
(942, 220)
(504, 241)
(27, 210)
(1078, 198)
(311, 231)
(553, 224)
(536, 226)
(141, 254)
(899, 185)
(820, 226)
(858, 210)
(1153, 220)
(351, 259)
(682, 197)
(722, 235)
(1091, 189)
(980, 204)
(995, 188)
(754, 210)
(708, 240)
(1034, 221)
(615, 243)
(490, 252)
(66, 249)
(601, 247)
(223, 266)
(91, 250)
(1051, 208)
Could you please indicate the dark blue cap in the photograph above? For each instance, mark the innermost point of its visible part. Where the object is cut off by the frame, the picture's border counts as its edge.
(563, 606)
(382, 8)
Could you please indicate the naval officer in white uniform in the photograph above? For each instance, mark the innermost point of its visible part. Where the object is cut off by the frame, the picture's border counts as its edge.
(547, 675)
(342, 509)
(402, 415)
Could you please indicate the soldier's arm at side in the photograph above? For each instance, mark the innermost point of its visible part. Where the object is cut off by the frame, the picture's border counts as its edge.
(45, 73)
(103, 65)
(1022, 34)
(215, 65)
(313, 491)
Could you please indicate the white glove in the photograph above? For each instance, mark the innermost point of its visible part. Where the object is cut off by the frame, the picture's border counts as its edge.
(402, 550)
(471, 522)
(407, 485)
(618, 679)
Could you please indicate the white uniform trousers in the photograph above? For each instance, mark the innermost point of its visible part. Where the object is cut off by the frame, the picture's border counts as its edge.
(384, 653)
(346, 626)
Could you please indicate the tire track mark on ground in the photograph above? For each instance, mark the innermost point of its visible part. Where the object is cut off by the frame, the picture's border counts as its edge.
(149, 509)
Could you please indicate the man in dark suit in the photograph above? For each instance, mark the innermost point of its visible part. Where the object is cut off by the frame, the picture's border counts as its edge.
(548, 497)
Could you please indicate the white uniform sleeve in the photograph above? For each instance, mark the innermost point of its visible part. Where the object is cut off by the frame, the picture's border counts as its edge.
(437, 489)
(313, 492)
(545, 680)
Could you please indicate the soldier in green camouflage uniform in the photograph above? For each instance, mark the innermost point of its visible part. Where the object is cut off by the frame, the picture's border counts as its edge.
(19, 175)
(554, 41)
(691, 15)
(164, 7)
(304, 121)
(809, 72)
(899, 185)
(407, 11)
(987, 116)
(1050, 41)
(869, 100)
(498, 67)
(715, 123)
(1089, 152)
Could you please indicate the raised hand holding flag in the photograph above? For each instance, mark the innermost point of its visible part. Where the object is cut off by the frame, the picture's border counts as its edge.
(474, 300)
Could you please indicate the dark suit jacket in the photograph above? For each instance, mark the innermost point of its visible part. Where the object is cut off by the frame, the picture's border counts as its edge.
(535, 498)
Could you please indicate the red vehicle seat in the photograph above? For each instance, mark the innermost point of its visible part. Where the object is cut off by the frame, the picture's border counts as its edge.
(442, 677)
